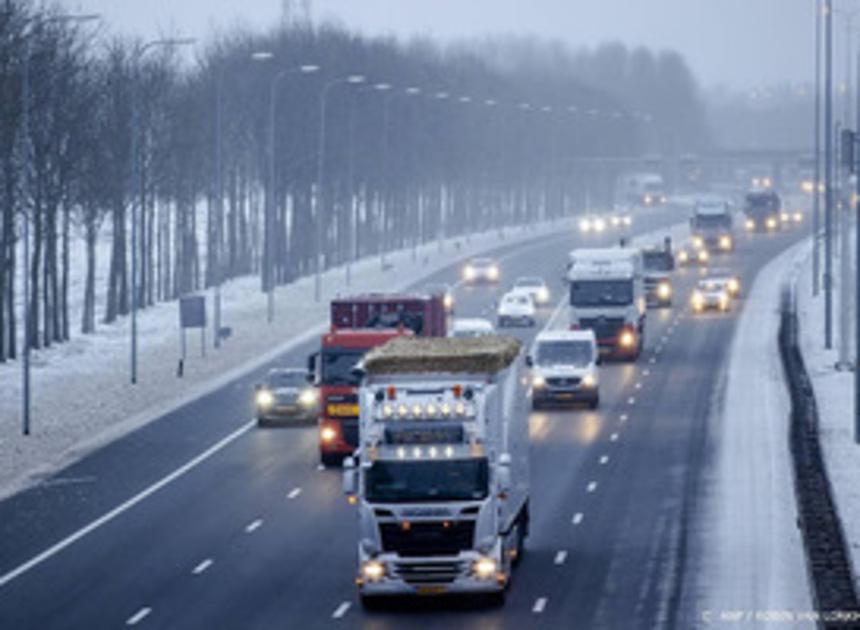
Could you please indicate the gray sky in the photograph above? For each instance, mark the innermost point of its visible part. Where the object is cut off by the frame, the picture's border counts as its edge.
(737, 42)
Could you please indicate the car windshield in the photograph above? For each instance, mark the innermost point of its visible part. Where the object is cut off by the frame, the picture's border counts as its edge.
(601, 293)
(576, 353)
(337, 367)
(278, 380)
(518, 300)
(482, 262)
(657, 261)
(423, 481)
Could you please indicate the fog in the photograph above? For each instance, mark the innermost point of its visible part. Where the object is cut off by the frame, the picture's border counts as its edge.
(737, 43)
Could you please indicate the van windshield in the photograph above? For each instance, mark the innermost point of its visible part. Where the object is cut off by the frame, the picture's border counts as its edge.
(576, 353)
(585, 293)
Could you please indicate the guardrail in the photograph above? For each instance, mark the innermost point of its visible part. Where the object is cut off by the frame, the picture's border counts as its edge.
(827, 557)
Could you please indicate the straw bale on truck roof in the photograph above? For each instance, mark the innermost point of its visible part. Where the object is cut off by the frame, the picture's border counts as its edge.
(416, 355)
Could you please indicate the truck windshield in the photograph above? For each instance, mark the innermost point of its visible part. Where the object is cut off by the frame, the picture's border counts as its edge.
(601, 293)
(706, 221)
(657, 261)
(337, 367)
(577, 353)
(422, 481)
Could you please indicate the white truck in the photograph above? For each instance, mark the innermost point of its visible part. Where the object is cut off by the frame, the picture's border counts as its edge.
(641, 189)
(441, 476)
(607, 295)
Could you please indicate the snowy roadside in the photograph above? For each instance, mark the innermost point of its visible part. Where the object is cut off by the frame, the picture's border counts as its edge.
(834, 391)
(752, 553)
(82, 397)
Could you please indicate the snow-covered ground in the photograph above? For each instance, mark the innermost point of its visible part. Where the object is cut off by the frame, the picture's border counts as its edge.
(834, 391)
(82, 396)
(752, 554)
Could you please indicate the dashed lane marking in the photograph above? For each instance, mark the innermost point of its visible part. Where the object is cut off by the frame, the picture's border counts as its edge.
(604, 460)
(560, 557)
(200, 568)
(638, 386)
(540, 605)
(624, 417)
(591, 487)
(253, 526)
(139, 616)
(631, 400)
(613, 437)
(295, 492)
(340, 611)
(577, 518)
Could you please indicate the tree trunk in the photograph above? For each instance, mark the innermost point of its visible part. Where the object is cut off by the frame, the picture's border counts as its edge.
(88, 319)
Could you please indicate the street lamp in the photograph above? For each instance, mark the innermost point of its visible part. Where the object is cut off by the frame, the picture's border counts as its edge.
(29, 24)
(267, 272)
(353, 79)
(137, 182)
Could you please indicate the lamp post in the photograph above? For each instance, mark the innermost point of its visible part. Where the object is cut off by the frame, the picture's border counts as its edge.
(267, 270)
(137, 182)
(828, 174)
(816, 195)
(29, 24)
(415, 91)
(354, 79)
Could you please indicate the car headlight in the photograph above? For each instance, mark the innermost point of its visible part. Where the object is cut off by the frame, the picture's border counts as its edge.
(493, 273)
(448, 301)
(683, 256)
(698, 300)
(469, 273)
(664, 290)
(589, 381)
(538, 381)
(703, 255)
(698, 242)
(798, 217)
(600, 225)
(725, 242)
(724, 301)
(485, 568)
(328, 434)
(627, 221)
(771, 223)
(585, 225)
(627, 339)
(750, 224)
(648, 200)
(265, 399)
(373, 570)
(734, 286)
(616, 221)
(308, 397)
(543, 295)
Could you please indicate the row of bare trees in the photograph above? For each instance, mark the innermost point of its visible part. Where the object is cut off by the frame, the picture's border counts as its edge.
(426, 144)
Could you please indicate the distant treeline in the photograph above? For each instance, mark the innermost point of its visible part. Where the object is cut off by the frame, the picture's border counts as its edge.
(118, 127)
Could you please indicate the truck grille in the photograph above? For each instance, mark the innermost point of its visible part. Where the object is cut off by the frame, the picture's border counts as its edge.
(431, 538)
(603, 327)
(429, 572)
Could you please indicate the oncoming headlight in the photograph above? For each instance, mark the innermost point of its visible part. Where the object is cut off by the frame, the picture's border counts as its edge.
(543, 295)
(750, 224)
(664, 290)
(265, 398)
(538, 381)
(469, 272)
(698, 300)
(589, 381)
(698, 242)
(373, 570)
(627, 339)
(484, 568)
(493, 273)
(308, 397)
(328, 434)
(725, 242)
(734, 286)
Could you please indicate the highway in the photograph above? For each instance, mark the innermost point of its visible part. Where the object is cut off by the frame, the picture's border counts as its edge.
(254, 534)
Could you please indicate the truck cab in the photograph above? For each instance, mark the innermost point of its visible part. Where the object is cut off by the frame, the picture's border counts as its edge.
(607, 295)
(658, 263)
(711, 226)
(763, 211)
(441, 478)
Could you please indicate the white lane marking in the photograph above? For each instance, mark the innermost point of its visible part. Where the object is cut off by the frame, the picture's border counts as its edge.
(540, 605)
(624, 417)
(664, 339)
(340, 611)
(251, 527)
(139, 616)
(124, 507)
(604, 460)
(295, 492)
(646, 372)
(320, 466)
(652, 360)
(638, 386)
(200, 568)
(560, 557)
(591, 487)
(631, 400)
(577, 518)
(613, 437)
(658, 349)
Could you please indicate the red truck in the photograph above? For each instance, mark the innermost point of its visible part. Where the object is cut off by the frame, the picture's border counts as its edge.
(359, 324)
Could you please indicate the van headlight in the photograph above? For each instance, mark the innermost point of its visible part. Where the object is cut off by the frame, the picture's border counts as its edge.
(265, 399)
(373, 570)
(664, 290)
(308, 397)
(734, 286)
(485, 568)
(584, 225)
(538, 381)
(771, 223)
(589, 381)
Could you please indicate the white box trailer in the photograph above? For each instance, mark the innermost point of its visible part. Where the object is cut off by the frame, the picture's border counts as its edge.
(607, 295)
(441, 476)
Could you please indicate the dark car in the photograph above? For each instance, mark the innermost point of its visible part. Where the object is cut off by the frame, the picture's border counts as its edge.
(287, 395)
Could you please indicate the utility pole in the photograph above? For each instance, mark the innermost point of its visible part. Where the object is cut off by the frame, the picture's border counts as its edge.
(816, 193)
(856, 270)
(828, 174)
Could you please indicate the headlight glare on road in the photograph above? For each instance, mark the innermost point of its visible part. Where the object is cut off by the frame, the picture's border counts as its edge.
(484, 568)
(373, 570)
(265, 399)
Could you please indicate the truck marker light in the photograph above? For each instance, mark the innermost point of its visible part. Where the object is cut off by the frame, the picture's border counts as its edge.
(401, 453)
(417, 411)
(392, 392)
(460, 408)
(416, 453)
(387, 411)
(446, 409)
(431, 410)
(352, 499)
(433, 452)
(449, 451)
(458, 390)
(405, 526)
(402, 410)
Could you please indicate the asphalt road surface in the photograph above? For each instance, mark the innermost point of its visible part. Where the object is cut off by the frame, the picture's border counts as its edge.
(202, 520)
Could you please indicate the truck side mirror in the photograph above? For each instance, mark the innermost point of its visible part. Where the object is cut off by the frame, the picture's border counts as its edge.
(529, 361)
(503, 474)
(350, 478)
(313, 367)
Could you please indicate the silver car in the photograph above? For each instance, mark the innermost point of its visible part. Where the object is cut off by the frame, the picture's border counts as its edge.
(287, 395)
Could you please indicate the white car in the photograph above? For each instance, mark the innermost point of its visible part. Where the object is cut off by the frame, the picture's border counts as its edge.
(535, 287)
(564, 368)
(463, 327)
(516, 308)
(481, 270)
(731, 282)
(621, 219)
(592, 223)
(710, 295)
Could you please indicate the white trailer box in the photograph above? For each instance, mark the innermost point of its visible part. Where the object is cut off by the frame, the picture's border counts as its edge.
(441, 477)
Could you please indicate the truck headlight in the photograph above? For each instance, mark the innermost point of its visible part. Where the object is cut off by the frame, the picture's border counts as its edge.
(627, 339)
(469, 273)
(703, 255)
(448, 301)
(599, 225)
(485, 568)
(664, 290)
(798, 217)
(265, 399)
(698, 242)
(627, 221)
(698, 301)
(585, 225)
(543, 295)
(734, 286)
(725, 242)
(308, 398)
(328, 434)
(373, 570)
(771, 223)
(589, 381)
(784, 217)
(493, 273)
(750, 225)
(683, 256)
(538, 381)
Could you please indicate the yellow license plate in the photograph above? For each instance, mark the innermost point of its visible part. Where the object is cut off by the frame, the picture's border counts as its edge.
(431, 590)
(345, 410)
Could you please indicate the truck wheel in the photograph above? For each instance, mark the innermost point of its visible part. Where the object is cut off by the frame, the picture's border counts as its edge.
(497, 599)
(594, 404)
(371, 603)
(331, 460)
